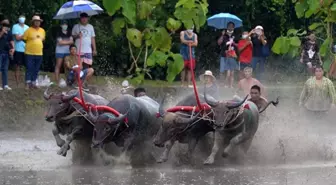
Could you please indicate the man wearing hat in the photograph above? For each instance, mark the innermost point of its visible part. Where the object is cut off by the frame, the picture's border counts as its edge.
(34, 37)
(259, 41)
(209, 80)
(85, 31)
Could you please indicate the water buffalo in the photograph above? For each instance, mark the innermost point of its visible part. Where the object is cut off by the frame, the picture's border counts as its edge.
(68, 121)
(181, 127)
(130, 129)
(235, 125)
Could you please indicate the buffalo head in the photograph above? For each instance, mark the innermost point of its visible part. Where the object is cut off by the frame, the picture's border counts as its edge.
(172, 125)
(58, 105)
(106, 125)
(224, 111)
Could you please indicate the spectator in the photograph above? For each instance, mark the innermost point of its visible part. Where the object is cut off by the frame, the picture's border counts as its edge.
(256, 98)
(228, 61)
(34, 37)
(188, 38)
(310, 53)
(332, 68)
(85, 31)
(64, 40)
(209, 81)
(259, 41)
(318, 94)
(18, 31)
(71, 68)
(246, 84)
(245, 49)
(6, 47)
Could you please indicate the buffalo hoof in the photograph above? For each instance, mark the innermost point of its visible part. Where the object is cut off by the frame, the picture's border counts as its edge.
(60, 143)
(63, 151)
(209, 161)
(225, 154)
(162, 160)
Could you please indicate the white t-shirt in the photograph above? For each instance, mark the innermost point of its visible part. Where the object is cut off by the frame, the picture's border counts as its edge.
(88, 32)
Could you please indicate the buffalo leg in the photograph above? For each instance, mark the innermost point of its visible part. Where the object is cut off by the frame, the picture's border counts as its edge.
(168, 146)
(59, 141)
(218, 140)
(238, 139)
(64, 149)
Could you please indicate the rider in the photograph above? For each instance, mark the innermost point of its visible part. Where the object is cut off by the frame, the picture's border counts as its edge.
(256, 98)
(152, 105)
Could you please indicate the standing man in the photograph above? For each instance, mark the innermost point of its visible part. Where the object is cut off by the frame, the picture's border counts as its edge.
(18, 31)
(85, 31)
(246, 84)
(188, 39)
(6, 47)
(228, 60)
(34, 37)
(259, 41)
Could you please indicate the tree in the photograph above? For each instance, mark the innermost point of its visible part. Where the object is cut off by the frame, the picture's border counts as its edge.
(149, 26)
(323, 14)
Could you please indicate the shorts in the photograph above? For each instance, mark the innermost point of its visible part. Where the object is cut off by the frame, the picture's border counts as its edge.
(19, 58)
(71, 77)
(187, 63)
(242, 66)
(87, 58)
(228, 64)
(62, 55)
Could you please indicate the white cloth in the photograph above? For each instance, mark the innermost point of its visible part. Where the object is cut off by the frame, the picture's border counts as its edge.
(88, 32)
(152, 105)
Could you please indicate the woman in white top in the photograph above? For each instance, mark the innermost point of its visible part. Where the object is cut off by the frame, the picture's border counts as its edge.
(64, 40)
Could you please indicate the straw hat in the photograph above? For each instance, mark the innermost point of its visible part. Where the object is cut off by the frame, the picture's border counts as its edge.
(37, 18)
(207, 73)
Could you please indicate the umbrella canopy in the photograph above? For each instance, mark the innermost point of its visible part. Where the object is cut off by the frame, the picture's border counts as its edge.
(221, 20)
(73, 9)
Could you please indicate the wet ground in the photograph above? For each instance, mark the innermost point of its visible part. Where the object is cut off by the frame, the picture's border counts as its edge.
(291, 147)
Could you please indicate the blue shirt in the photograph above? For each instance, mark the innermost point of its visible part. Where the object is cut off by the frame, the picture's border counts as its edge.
(18, 30)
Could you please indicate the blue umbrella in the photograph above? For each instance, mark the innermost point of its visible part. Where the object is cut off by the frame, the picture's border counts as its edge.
(73, 9)
(221, 20)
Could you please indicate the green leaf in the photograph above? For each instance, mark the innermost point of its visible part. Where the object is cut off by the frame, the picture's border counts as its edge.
(295, 41)
(304, 32)
(314, 5)
(292, 32)
(134, 36)
(173, 24)
(140, 78)
(158, 57)
(112, 6)
(333, 7)
(161, 39)
(174, 67)
(129, 10)
(145, 9)
(300, 8)
(278, 45)
(117, 25)
(181, 3)
(325, 47)
(314, 26)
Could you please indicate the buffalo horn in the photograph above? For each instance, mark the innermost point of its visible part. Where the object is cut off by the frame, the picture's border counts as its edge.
(93, 116)
(212, 101)
(120, 118)
(67, 98)
(46, 95)
(236, 105)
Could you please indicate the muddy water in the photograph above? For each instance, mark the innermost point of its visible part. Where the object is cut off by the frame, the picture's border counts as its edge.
(290, 147)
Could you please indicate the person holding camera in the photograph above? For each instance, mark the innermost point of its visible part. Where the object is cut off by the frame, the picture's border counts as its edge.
(259, 41)
(6, 50)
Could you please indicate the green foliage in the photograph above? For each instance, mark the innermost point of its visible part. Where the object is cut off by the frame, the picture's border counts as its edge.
(150, 32)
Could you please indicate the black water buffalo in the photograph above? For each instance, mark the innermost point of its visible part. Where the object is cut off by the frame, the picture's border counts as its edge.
(181, 127)
(130, 129)
(68, 121)
(235, 125)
